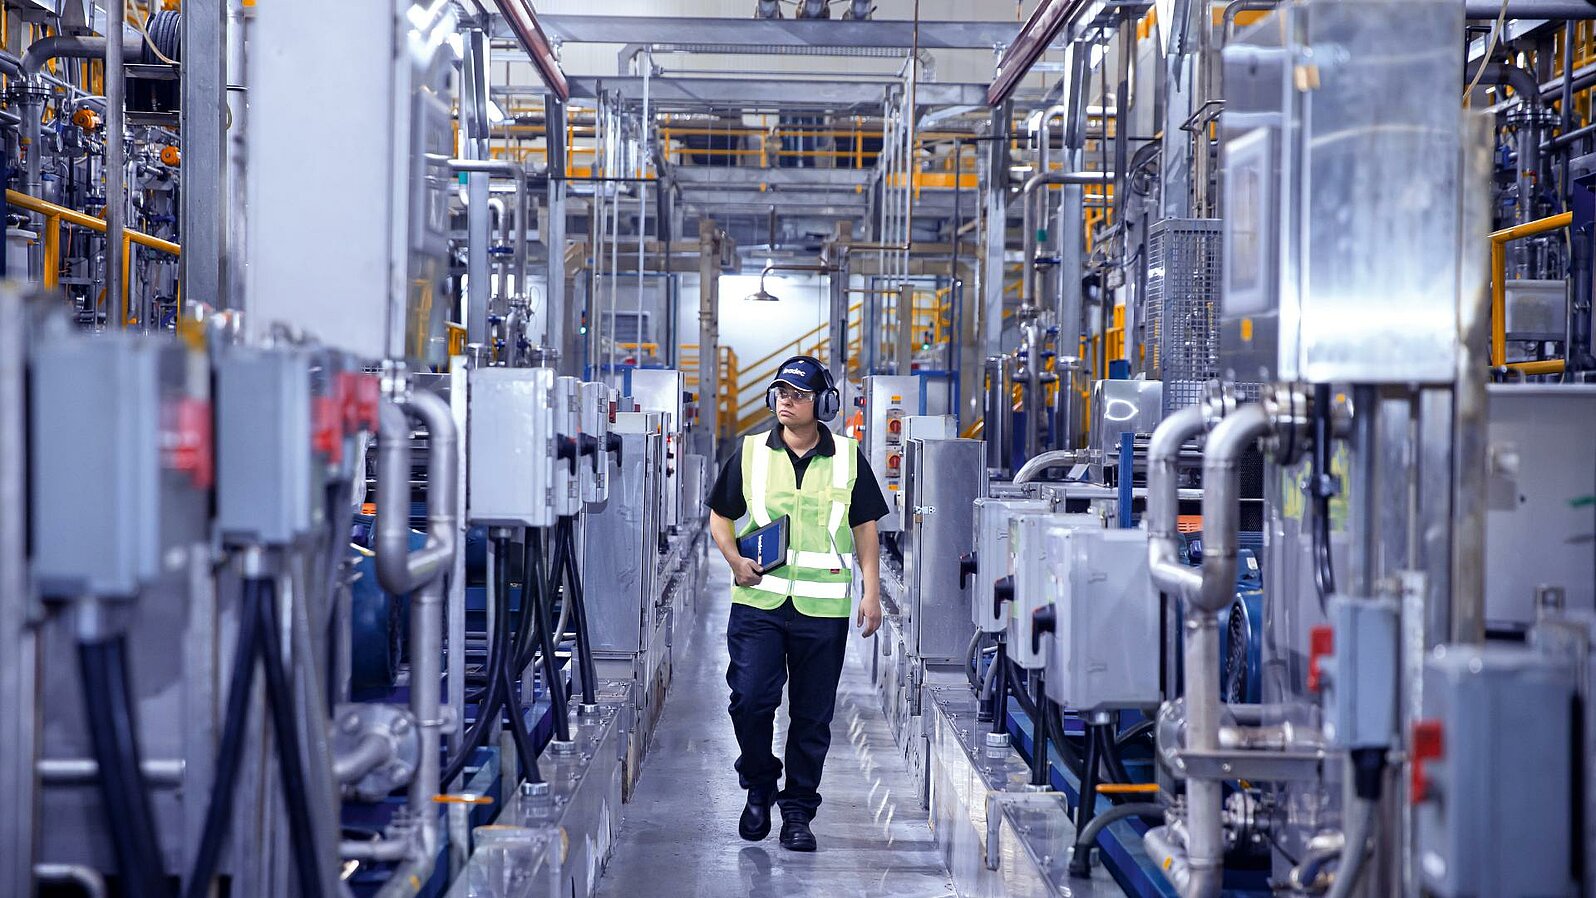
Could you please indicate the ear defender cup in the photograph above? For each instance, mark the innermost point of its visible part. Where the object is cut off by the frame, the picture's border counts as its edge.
(827, 401)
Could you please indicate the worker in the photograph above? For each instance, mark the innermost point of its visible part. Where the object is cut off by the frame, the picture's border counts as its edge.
(791, 625)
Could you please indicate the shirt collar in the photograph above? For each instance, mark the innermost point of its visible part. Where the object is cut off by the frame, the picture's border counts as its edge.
(827, 446)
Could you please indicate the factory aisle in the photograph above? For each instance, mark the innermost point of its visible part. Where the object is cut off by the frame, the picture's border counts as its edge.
(679, 836)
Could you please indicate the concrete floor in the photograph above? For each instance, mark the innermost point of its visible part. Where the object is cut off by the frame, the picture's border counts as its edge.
(679, 836)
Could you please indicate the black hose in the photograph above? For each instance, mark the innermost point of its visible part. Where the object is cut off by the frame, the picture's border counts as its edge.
(1040, 733)
(113, 732)
(545, 626)
(229, 755)
(1061, 745)
(1108, 750)
(493, 695)
(280, 699)
(584, 650)
(1323, 488)
(518, 730)
(970, 662)
(1000, 689)
(1085, 838)
(1080, 864)
(1135, 731)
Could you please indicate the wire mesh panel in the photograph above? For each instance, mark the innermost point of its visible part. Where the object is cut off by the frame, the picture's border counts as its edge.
(1183, 282)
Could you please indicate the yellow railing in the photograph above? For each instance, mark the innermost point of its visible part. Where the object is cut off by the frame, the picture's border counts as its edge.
(688, 356)
(1499, 241)
(53, 217)
(815, 342)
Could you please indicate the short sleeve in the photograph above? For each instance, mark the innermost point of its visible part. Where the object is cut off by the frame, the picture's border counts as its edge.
(867, 503)
(726, 497)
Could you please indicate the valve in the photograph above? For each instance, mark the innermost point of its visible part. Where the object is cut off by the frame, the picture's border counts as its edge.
(169, 155)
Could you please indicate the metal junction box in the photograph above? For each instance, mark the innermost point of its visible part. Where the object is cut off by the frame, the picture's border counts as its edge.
(889, 401)
(264, 480)
(621, 547)
(598, 404)
(1341, 215)
(991, 541)
(120, 460)
(510, 438)
(1491, 712)
(1105, 645)
(945, 478)
(571, 470)
(660, 390)
(1034, 541)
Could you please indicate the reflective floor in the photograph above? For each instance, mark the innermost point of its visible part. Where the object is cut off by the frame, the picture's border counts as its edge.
(680, 837)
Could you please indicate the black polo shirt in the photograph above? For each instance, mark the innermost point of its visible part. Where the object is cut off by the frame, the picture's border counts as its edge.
(867, 504)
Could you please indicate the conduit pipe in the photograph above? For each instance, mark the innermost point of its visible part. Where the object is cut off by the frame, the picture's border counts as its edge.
(421, 573)
(1529, 145)
(523, 192)
(1043, 179)
(1205, 591)
(1034, 467)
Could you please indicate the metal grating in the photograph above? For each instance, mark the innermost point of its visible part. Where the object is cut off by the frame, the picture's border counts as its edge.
(1183, 283)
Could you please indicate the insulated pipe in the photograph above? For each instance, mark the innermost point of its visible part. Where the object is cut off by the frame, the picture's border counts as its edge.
(1529, 146)
(518, 175)
(423, 574)
(1035, 466)
(1042, 179)
(1221, 504)
(86, 878)
(1163, 502)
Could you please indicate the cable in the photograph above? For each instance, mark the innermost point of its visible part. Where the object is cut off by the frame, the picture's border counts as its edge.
(1081, 859)
(1080, 862)
(113, 733)
(557, 697)
(584, 650)
(279, 699)
(1490, 47)
(518, 730)
(1108, 750)
(1323, 487)
(219, 810)
(493, 697)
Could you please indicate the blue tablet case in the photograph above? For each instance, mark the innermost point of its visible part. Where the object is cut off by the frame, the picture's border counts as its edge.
(767, 546)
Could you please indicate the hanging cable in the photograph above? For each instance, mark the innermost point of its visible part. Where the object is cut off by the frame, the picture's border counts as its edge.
(280, 701)
(1322, 486)
(108, 707)
(229, 755)
(493, 695)
(551, 678)
(584, 649)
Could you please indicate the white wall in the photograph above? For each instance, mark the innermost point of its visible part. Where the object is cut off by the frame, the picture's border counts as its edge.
(755, 329)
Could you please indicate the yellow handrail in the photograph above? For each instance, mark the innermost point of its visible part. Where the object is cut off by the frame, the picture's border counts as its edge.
(54, 215)
(1499, 241)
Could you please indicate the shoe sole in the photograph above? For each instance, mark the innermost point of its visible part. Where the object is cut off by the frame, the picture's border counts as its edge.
(750, 837)
(799, 848)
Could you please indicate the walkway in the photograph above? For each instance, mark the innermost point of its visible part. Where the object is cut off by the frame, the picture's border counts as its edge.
(679, 838)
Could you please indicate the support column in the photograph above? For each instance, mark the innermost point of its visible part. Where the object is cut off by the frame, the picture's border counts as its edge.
(203, 201)
(836, 255)
(996, 163)
(556, 298)
(710, 425)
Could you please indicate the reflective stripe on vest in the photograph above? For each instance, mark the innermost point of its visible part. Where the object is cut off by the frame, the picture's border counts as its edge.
(819, 570)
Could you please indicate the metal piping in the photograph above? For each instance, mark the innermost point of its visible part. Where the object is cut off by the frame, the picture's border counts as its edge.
(1041, 179)
(1040, 463)
(523, 189)
(1163, 502)
(115, 168)
(1231, 437)
(45, 49)
(423, 574)
(373, 751)
(84, 877)
(1529, 146)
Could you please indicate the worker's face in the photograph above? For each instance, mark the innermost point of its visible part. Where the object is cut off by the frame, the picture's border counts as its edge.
(794, 406)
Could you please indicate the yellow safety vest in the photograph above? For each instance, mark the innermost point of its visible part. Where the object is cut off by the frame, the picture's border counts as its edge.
(819, 569)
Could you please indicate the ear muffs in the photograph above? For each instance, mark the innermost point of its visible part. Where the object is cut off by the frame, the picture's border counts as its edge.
(827, 402)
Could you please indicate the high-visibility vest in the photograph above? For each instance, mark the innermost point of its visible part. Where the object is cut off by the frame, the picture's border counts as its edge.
(819, 569)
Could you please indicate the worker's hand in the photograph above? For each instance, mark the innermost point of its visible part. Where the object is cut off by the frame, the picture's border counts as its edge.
(869, 620)
(745, 571)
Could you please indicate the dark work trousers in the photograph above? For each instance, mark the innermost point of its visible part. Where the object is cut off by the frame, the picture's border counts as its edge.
(769, 648)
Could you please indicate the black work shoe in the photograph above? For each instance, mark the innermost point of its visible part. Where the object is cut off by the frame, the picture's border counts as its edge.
(796, 836)
(755, 822)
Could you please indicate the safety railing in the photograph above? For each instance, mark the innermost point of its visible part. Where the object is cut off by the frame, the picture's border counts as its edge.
(1499, 241)
(54, 216)
(750, 396)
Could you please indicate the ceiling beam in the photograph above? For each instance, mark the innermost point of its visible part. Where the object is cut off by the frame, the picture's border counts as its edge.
(768, 93)
(522, 24)
(868, 33)
(1050, 20)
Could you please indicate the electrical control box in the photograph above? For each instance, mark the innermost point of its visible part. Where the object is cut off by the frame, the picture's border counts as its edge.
(1360, 705)
(1034, 541)
(1307, 265)
(120, 463)
(510, 438)
(572, 472)
(266, 492)
(598, 409)
(661, 390)
(1490, 713)
(990, 523)
(622, 536)
(945, 479)
(889, 401)
(1106, 614)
